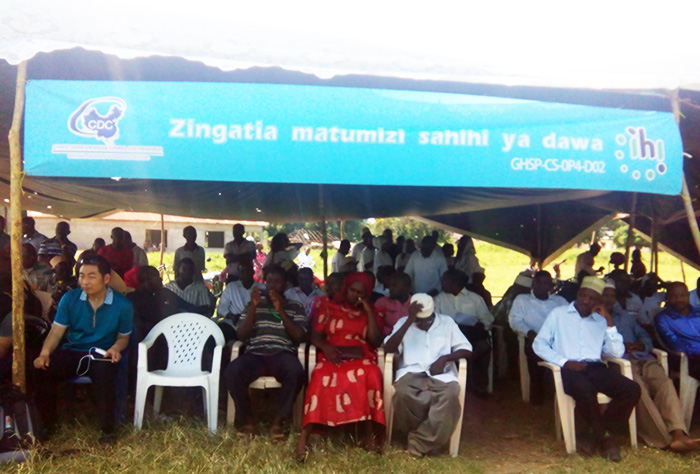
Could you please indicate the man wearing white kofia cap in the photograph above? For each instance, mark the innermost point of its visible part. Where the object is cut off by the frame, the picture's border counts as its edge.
(575, 337)
(426, 402)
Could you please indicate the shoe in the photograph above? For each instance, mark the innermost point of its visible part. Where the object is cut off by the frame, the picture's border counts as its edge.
(585, 447)
(608, 450)
(107, 439)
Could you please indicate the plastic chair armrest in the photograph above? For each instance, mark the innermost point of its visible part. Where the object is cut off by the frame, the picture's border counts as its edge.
(381, 358)
(388, 370)
(553, 367)
(625, 365)
(662, 357)
(142, 361)
(236, 349)
(301, 353)
(462, 374)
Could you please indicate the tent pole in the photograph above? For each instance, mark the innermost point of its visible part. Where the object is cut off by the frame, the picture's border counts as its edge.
(685, 193)
(539, 237)
(162, 238)
(653, 246)
(630, 230)
(322, 209)
(682, 270)
(18, 356)
(342, 229)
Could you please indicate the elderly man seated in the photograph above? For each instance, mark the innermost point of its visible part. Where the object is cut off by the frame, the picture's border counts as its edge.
(527, 315)
(574, 337)
(659, 414)
(426, 402)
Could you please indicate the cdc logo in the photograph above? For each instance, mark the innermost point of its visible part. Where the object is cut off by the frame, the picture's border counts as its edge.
(98, 118)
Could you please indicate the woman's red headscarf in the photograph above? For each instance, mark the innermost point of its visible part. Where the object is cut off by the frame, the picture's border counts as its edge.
(366, 280)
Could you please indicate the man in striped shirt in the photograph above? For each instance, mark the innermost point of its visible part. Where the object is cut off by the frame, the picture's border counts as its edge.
(271, 327)
(194, 292)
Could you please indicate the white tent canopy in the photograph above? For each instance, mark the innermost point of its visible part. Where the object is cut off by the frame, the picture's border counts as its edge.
(596, 44)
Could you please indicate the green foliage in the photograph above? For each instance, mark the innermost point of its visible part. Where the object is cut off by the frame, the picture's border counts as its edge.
(409, 228)
(352, 228)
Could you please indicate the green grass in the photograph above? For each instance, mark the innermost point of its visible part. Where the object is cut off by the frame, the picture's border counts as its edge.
(500, 435)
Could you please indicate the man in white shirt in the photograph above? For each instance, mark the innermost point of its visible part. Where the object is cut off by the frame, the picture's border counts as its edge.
(191, 250)
(360, 246)
(140, 256)
(474, 320)
(652, 299)
(305, 292)
(237, 251)
(426, 401)
(426, 267)
(194, 292)
(366, 261)
(586, 260)
(234, 299)
(339, 258)
(694, 298)
(575, 337)
(527, 315)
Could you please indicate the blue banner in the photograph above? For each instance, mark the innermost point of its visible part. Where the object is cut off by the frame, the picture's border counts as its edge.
(310, 134)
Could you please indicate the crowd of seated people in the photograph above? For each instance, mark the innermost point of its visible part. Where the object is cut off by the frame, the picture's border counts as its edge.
(427, 305)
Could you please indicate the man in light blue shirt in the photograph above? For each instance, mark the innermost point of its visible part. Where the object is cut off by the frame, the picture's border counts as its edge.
(575, 337)
(527, 315)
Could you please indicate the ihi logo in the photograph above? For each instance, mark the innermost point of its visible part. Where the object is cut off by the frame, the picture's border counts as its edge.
(98, 118)
(641, 149)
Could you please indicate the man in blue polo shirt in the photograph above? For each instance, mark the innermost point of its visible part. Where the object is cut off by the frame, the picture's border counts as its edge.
(93, 317)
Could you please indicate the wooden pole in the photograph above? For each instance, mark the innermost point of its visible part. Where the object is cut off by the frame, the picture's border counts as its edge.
(342, 230)
(654, 238)
(682, 270)
(18, 353)
(540, 258)
(322, 209)
(630, 230)
(162, 238)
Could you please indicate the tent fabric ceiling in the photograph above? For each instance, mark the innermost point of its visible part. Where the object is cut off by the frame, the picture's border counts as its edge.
(294, 202)
(545, 43)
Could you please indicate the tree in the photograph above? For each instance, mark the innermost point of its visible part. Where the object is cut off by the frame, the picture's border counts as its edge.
(408, 227)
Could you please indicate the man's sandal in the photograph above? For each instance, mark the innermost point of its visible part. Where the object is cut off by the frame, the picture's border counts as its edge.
(277, 436)
(247, 432)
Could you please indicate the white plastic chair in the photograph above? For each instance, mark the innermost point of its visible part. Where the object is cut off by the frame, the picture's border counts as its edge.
(263, 383)
(524, 371)
(186, 334)
(688, 389)
(389, 391)
(564, 406)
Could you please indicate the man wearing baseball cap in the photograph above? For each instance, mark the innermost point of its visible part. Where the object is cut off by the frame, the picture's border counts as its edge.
(575, 337)
(426, 401)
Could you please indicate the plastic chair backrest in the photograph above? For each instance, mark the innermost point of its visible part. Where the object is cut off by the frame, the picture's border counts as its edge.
(186, 334)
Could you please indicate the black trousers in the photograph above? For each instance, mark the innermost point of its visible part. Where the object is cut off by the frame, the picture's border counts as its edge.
(63, 366)
(478, 373)
(537, 373)
(245, 369)
(583, 387)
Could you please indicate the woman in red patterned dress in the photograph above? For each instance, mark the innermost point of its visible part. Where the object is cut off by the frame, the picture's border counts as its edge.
(346, 384)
